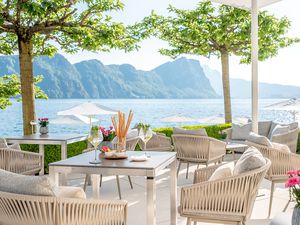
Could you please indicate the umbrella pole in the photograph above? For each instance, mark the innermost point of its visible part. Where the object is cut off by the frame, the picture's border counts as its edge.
(254, 60)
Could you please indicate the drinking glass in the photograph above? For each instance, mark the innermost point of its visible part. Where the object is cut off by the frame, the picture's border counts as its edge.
(95, 138)
(145, 135)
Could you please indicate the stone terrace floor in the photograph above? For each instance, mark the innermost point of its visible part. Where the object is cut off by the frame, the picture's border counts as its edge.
(137, 197)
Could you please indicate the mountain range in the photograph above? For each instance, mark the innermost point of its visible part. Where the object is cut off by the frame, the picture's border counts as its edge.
(181, 78)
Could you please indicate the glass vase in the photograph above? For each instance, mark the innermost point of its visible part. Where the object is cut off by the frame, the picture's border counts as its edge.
(296, 216)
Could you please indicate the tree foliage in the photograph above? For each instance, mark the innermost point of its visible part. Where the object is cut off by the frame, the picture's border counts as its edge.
(209, 30)
(72, 24)
(10, 87)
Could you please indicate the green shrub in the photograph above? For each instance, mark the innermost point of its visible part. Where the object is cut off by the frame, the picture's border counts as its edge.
(52, 152)
(214, 131)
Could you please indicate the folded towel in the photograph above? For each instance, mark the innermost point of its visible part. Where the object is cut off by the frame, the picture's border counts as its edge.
(138, 158)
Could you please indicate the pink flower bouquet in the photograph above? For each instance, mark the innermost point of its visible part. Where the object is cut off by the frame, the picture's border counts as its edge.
(293, 183)
(108, 133)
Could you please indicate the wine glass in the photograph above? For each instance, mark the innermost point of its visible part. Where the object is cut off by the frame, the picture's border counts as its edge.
(145, 134)
(95, 138)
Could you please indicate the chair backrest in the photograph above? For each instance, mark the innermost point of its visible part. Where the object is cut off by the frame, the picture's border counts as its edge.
(36, 210)
(190, 146)
(157, 141)
(282, 161)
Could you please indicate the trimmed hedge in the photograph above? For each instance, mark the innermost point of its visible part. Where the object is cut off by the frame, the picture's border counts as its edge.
(214, 131)
(52, 152)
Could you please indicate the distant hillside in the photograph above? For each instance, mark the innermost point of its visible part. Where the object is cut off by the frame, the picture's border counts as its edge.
(182, 78)
(242, 88)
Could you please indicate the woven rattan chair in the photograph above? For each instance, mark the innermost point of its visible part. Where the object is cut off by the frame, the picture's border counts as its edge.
(37, 210)
(130, 146)
(282, 162)
(22, 162)
(228, 200)
(198, 149)
(158, 142)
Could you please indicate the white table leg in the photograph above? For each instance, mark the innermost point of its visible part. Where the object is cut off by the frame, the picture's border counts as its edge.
(151, 201)
(96, 185)
(173, 193)
(63, 150)
(42, 151)
(53, 176)
(63, 156)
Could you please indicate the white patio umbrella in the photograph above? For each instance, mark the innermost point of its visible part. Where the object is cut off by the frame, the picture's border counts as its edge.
(88, 109)
(253, 6)
(219, 119)
(72, 120)
(292, 105)
(177, 119)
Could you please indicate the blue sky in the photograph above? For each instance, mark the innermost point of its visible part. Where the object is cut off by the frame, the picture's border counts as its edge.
(283, 69)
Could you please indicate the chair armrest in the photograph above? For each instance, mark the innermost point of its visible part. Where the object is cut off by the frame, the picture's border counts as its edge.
(21, 161)
(203, 174)
(166, 148)
(230, 195)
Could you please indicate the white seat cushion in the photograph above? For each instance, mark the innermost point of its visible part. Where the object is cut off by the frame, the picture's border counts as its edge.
(251, 159)
(69, 192)
(223, 171)
(196, 132)
(25, 185)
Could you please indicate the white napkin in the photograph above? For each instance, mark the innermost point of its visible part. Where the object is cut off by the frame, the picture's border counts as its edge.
(138, 158)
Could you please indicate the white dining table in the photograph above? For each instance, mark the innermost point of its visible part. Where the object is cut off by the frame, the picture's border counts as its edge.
(149, 169)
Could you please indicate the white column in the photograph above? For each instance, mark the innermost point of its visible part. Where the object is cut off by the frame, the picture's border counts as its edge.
(254, 62)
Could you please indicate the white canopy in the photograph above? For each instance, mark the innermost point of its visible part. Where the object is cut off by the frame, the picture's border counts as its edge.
(219, 119)
(246, 4)
(88, 109)
(72, 120)
(254, 6)
(177, 119)
(292, 105)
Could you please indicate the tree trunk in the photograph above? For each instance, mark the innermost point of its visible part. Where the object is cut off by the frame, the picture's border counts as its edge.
(27, 84)
(226, 86)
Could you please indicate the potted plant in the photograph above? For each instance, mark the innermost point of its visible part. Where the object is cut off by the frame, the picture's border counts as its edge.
(44, 122)
(293, 183)
(108, 135)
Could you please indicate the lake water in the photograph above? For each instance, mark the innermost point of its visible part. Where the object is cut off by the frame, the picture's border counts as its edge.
(145, 110)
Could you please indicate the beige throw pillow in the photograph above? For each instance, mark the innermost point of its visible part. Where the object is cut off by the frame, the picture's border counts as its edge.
(279, 129)
(240, 132)
(25, 185)
(250, 160)
(223, 171)
(196, 132)
(69, 192)
(258, 139)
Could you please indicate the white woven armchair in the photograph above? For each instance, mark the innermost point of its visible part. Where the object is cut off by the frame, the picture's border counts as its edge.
(227, 200)
(37, 210)
(158, 142)
(198, 149)
(282, 162)
(22, 162)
